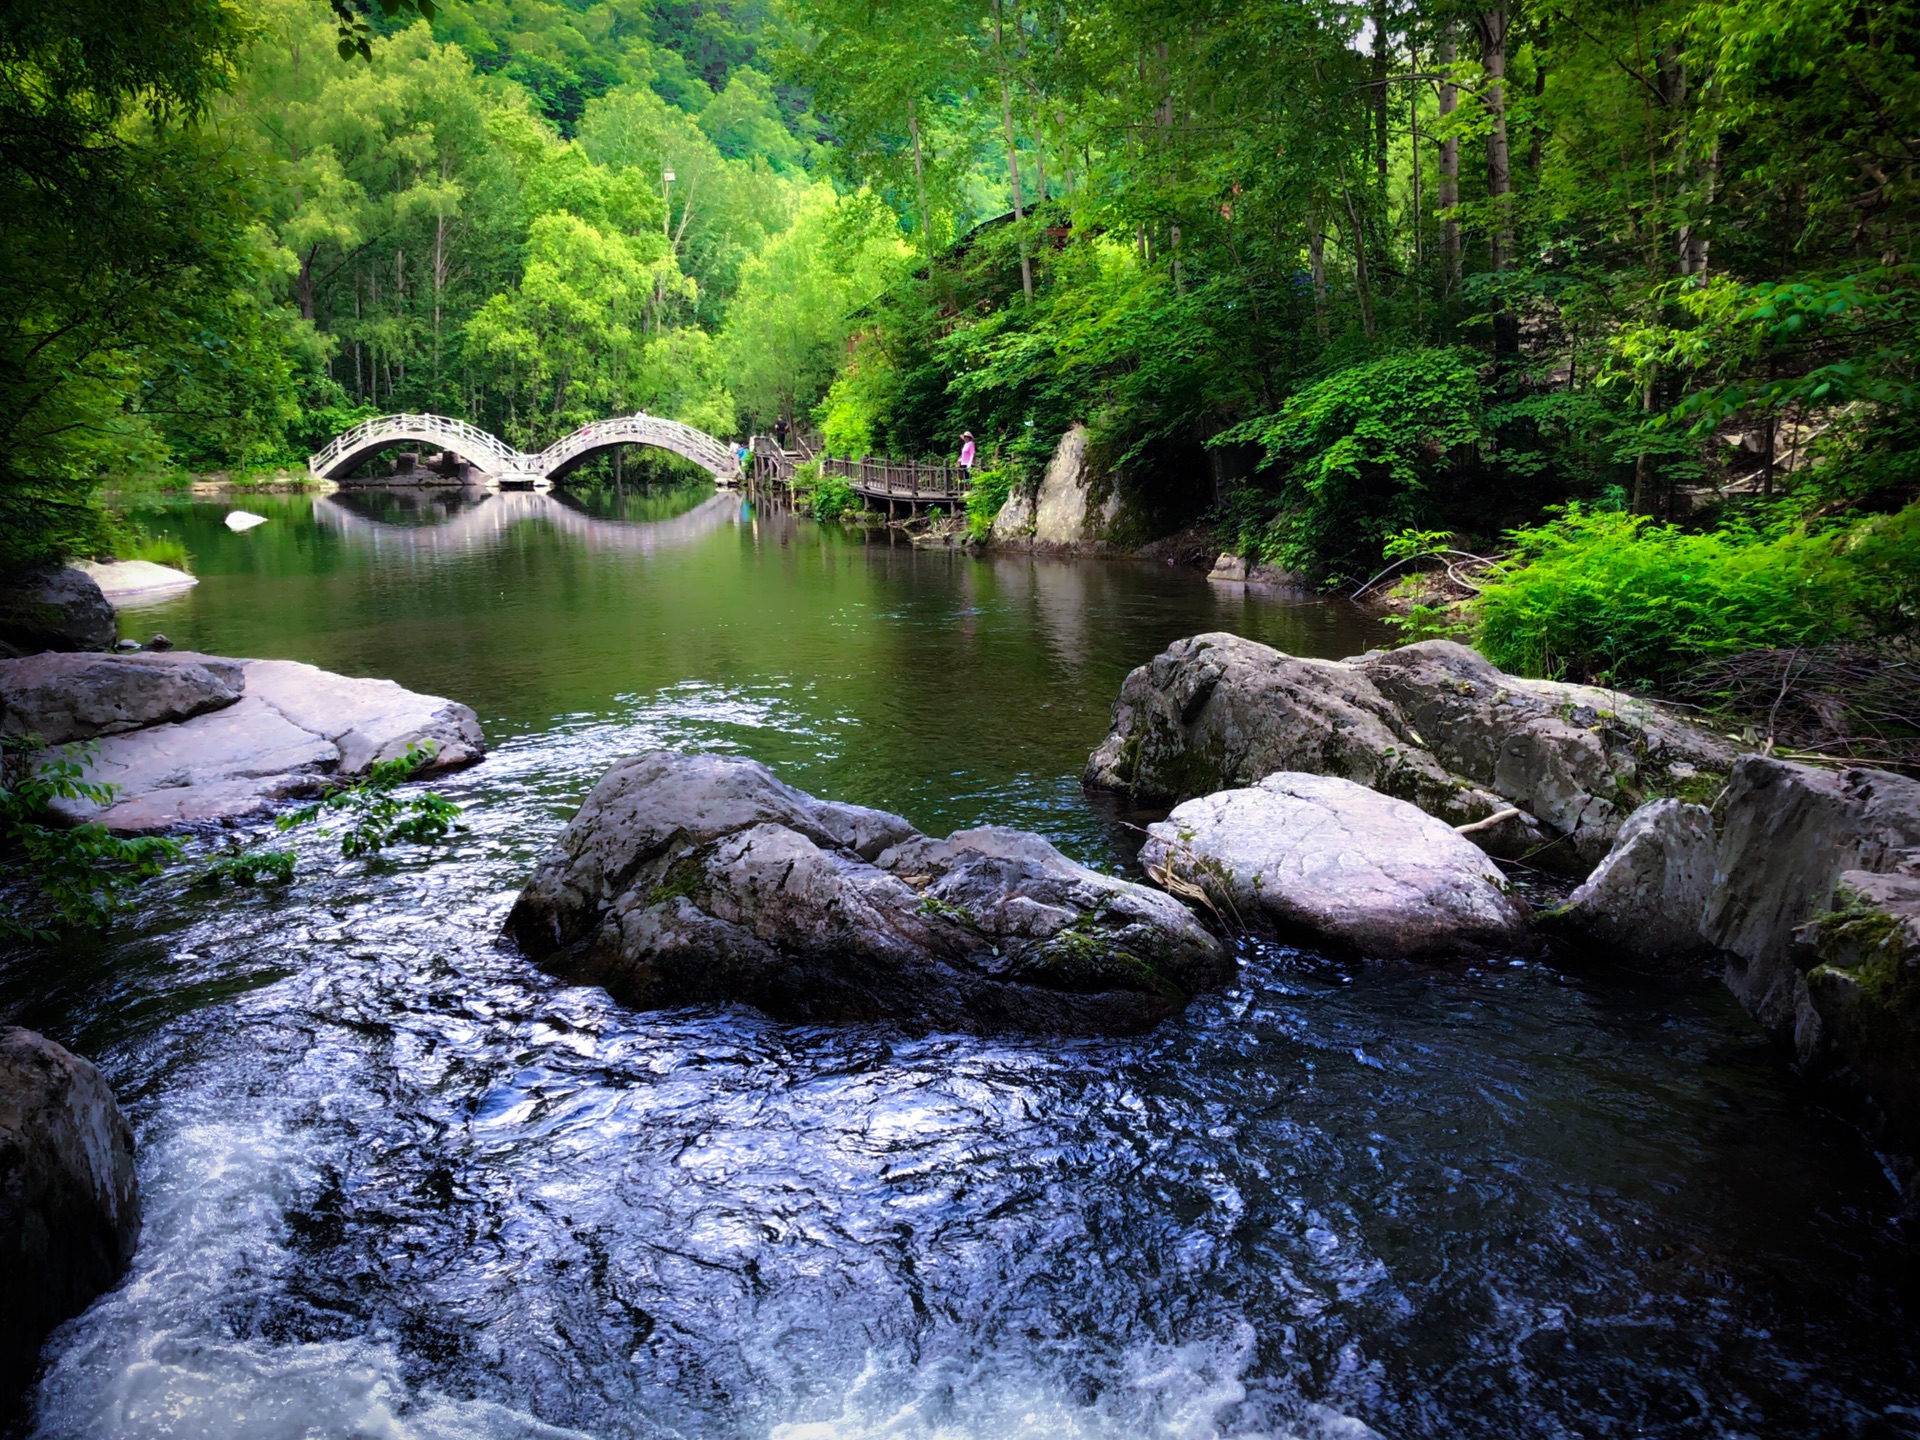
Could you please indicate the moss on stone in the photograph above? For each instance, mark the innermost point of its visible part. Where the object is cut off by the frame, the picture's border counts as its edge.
(686, 877)
(1084, 958)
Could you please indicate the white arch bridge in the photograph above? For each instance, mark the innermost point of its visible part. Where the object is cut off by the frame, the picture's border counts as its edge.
(502, 464)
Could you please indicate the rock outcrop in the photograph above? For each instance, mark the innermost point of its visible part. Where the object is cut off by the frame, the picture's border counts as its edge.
(1647, 899)
(1862, 992)
(69, 1202)
(190, 739)
(1067, 513)
(59, 607)
(1432, 723)
(701, 879)
(1788, 833)
(1322, 857)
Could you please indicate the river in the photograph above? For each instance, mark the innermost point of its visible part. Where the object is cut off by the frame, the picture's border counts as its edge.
(398, 1183)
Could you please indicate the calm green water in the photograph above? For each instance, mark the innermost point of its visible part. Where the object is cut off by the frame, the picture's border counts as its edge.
(398, 1183)
(945, 686)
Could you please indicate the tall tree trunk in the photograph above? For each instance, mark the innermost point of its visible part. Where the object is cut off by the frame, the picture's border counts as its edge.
(1013, 153)
(305, 286)
(1362, 283)
(1317, 267)
(1492, 27)
(1449, 172)
(1380, 90)
(439, 272)
(1491, 24)
(920, 179)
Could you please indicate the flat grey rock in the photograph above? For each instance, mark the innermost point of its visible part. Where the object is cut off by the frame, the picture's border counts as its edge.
(124, 581)
(702, 879)
(78, 696)
(1323, 857)
(69, 1199)
(250, 735)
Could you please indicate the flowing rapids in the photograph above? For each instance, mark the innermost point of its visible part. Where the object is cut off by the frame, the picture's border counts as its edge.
(398, 1183)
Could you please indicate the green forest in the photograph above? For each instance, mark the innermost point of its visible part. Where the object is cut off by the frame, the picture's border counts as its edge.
(1620, 295)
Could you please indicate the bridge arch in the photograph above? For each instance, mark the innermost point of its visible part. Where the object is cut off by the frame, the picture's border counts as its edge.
(501, 461)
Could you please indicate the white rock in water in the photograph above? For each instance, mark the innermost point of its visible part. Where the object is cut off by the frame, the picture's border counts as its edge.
(1342, 863)
(244, 520)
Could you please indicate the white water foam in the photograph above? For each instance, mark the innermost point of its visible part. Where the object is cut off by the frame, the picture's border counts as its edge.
(150, 1360)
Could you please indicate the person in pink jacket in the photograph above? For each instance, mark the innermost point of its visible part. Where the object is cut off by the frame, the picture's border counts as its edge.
(966, 450)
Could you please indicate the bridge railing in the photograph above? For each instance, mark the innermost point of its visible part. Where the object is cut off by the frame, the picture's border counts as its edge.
(471, 440)
(876, 478)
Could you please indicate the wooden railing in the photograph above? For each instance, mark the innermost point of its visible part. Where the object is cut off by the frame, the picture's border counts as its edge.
(878, 479)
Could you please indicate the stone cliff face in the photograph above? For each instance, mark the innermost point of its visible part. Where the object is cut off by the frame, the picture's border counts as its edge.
(1073, 511)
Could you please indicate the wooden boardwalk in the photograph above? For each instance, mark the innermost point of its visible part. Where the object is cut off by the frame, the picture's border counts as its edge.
(912, 482)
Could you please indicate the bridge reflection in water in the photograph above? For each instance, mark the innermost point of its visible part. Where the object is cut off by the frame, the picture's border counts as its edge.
(462, 522)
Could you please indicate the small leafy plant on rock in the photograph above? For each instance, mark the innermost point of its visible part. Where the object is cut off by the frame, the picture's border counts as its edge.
(80, 875)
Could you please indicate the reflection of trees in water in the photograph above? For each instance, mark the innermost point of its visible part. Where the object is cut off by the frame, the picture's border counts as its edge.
(459, 529)
(409, 507)
(637, 503)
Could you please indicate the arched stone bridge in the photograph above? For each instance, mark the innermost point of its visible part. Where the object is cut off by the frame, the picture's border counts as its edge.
(502, 463)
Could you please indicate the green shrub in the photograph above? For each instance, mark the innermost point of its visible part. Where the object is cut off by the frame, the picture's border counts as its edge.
(833, 497)
(1358, 457)
(1601, 595)
(81, 874)
(989, 492)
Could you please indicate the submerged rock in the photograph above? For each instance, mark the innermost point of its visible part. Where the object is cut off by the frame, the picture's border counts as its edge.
(1646, 900)
(1344, 864)
(703, 879)
(189, 739)
(59, 607)
(69, 1201)
(1432, 723)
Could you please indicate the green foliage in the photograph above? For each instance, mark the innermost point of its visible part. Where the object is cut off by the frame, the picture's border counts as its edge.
(833, 497)
(991, 489)
(1607, 596)
(373, 816)
(249, 867)
(81, 875)
(1364, 454)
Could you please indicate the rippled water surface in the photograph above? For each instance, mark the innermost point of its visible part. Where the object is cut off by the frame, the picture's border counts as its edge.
(400, 1184)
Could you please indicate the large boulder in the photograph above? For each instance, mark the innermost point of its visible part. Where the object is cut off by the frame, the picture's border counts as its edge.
(1325, 858)
(1432, 723)
(1788, 833)
(1576, 758)
(58, 607)
(702, 879)
(1070, 511)
(1216, 712)
(62, 696)
(188, 739)
(1645, 901)
(69, 1202)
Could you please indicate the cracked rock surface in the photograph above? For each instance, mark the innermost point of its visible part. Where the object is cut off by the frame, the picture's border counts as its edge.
(703, 879)
(1325, 858)
(190, 739)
